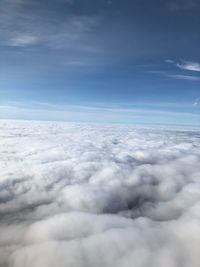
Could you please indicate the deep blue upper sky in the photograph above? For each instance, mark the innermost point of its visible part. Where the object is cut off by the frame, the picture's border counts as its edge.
(132, 61)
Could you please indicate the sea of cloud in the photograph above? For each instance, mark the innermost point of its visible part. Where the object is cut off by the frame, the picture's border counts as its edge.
(78, 195)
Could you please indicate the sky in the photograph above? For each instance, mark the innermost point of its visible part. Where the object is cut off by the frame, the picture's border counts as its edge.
(107, 61)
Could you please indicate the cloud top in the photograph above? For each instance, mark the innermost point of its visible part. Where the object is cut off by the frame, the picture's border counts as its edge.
(80, 195)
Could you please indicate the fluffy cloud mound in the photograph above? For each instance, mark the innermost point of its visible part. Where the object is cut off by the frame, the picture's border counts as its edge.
(77, 195)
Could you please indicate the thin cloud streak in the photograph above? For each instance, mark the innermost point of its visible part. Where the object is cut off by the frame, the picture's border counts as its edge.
(184, 77)
(100, 114)
(175, 75)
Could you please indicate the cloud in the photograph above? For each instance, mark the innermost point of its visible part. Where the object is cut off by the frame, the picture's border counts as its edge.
(184, 66)
(175, 75)
(138, 113)
(23, 40)
(67, 35)
(29, 23)
(184, 77)
(169, 61)
(188, 65)
(176, 5)
(87, 195)
(196, 102)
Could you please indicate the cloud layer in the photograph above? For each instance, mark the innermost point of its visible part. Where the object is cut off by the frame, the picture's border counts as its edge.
(84, 195)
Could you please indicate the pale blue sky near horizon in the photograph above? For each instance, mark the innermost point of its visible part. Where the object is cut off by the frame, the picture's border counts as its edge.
(134, 62)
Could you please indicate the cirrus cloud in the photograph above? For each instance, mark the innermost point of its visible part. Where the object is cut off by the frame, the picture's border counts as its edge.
(188, 65)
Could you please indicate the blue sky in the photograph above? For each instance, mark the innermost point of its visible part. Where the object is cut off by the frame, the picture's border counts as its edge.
(101, 61)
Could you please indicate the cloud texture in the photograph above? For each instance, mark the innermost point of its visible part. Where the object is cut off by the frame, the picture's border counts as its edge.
(78, 195)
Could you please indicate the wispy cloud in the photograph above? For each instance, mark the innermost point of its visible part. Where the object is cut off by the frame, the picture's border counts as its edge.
(189, 65)
(24, 40)
(196, 102)
(99, 114)
(183, 77)
(28, 23)
(184, 66)
(175, 75)
(169, 61)
(176, 5)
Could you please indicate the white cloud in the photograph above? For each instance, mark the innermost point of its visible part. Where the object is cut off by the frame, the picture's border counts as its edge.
(196, 102)
(169, 61)
(184, 77)
(24, 40)
(175, 75)
(85, 195)
(103, 113)
(23, 25)
(188, 65)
